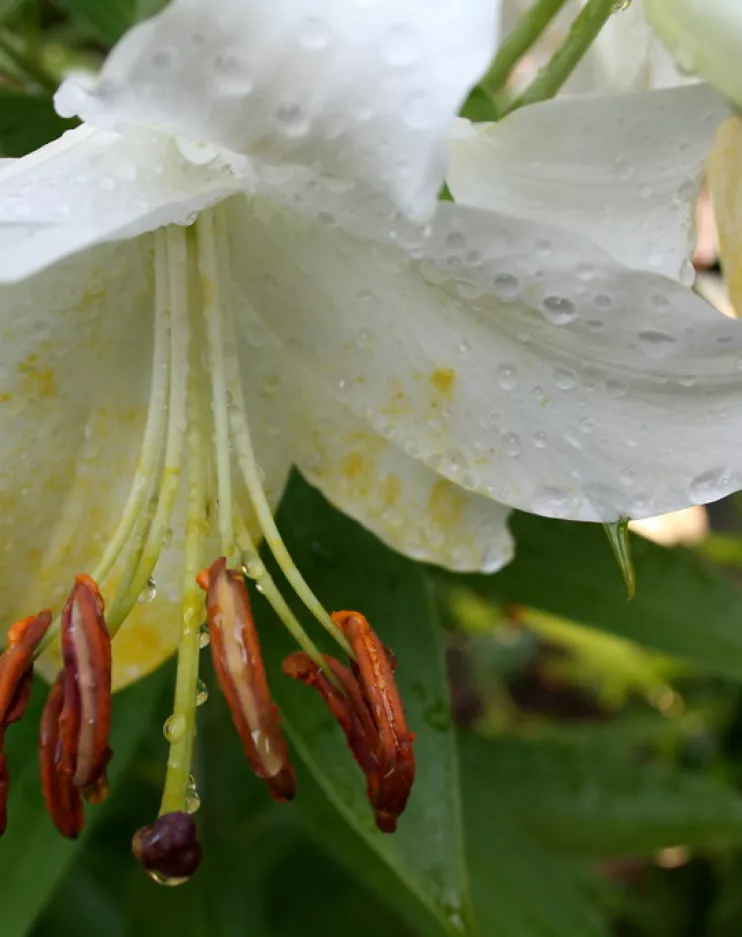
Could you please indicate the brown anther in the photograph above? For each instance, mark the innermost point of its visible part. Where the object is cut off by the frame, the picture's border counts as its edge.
(240, 672)
(16, 675)
(375, 674)
(62, 798)
(85, 719)
(169, 847)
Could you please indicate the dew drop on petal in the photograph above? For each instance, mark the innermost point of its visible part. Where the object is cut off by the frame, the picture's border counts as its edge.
(202, 693)
(149, 592)
(564, 378)
(558, 310)
(174, 728)
(656, 344)
(507, 377)
(506, 285)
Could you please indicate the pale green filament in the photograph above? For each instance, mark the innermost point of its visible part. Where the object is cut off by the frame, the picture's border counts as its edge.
(251, 472)
(213, 316)
(155, 524)
(183, 721)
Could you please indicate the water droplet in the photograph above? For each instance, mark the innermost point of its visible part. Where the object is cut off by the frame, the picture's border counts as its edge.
(506, 285)
(292, 119)
(204, 638)
(620, 5)
(314, 33)
(618, 537)
(400, 47)
(564, 378)
(710, 486)
(585, 272)
(270, 383)
(166, 881)
(616, 388)
(511, 444)
(539, 440)
(542, 246)
(167, 539)
(507, 377)
(252, 566)
(148, 593)
(174, 728)
(558, 310)
(456, 241)
(656, 344)
(202, 692)
(193, 798)
(586, 425)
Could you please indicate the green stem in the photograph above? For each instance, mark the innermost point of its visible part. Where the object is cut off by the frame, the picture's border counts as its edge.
(533, 22)
(28, 66)
(583, 33)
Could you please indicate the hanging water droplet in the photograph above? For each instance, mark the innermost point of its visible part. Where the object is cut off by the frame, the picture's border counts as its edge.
(252, 566)
(174, 728)
(148, 593)
(192, 798)
(202, 693)
(618, 537)
(166, 881)
(204, 638)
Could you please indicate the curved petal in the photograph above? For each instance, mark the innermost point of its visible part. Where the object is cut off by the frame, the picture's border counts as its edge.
(622, 170)
(555, 381)
(362, 90)
(705, 37)
(92, 186)
(407, 505)
(725, 183)
(74, 386)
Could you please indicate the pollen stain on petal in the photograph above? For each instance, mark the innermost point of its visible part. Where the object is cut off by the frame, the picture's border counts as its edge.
(443, 379)
(446, 505)
(37, 380)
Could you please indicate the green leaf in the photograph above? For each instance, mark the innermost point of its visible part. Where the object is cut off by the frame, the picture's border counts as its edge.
(33, 856)
(27, 121)
(349, 568)
(107, 19)
(682, 605)
(519, 890)
(595, 800)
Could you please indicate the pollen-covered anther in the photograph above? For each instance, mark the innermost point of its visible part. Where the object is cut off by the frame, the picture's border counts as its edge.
(168, 848)
(85, 719)
(240, 672)
(62, 798)
(16, 675)
(370, 713)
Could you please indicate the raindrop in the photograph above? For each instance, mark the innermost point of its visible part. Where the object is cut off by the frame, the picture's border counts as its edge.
(167, 881)
(270, 383)
(456, 241)
(539, 440)
(192, 798)
(507, 377)
(542, 246)
(174, 728)
(585, 271)
(558, 310)
(603, 301)
(252, 566)
(148, 593)
(202, 692)
(506, 285)
(204, 638)
(656, 344)
(564, 378)
(511, 444)
(292, 119)
(586, 425)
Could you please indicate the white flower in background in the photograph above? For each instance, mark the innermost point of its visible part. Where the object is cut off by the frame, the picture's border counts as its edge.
(531, 350)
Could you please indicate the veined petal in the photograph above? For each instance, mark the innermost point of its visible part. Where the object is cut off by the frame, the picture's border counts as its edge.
(555, 381)
(363, 91)
(623, 170)
(725, 182)
(407, 505)
(92, 186)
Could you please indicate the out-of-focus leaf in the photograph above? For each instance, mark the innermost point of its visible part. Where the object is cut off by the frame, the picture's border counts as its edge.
(27, 121)
(349, 568)
(682, 606)
(9, 7)
(519, 889)
(107, 19)
(596, 800)
(33, 856)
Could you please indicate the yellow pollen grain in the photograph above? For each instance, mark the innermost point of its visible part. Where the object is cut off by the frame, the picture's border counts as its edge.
(443, 379)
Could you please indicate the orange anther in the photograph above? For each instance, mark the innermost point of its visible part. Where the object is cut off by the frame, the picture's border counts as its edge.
(240, 672)
(62, 798)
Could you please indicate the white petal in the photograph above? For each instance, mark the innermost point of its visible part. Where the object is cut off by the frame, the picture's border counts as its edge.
(94, 186)
(705, 37)
(553, 380)
(408, 506)
(361, 90)
(622, 170)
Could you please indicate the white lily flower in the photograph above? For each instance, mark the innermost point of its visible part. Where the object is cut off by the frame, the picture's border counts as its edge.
(426, 377)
